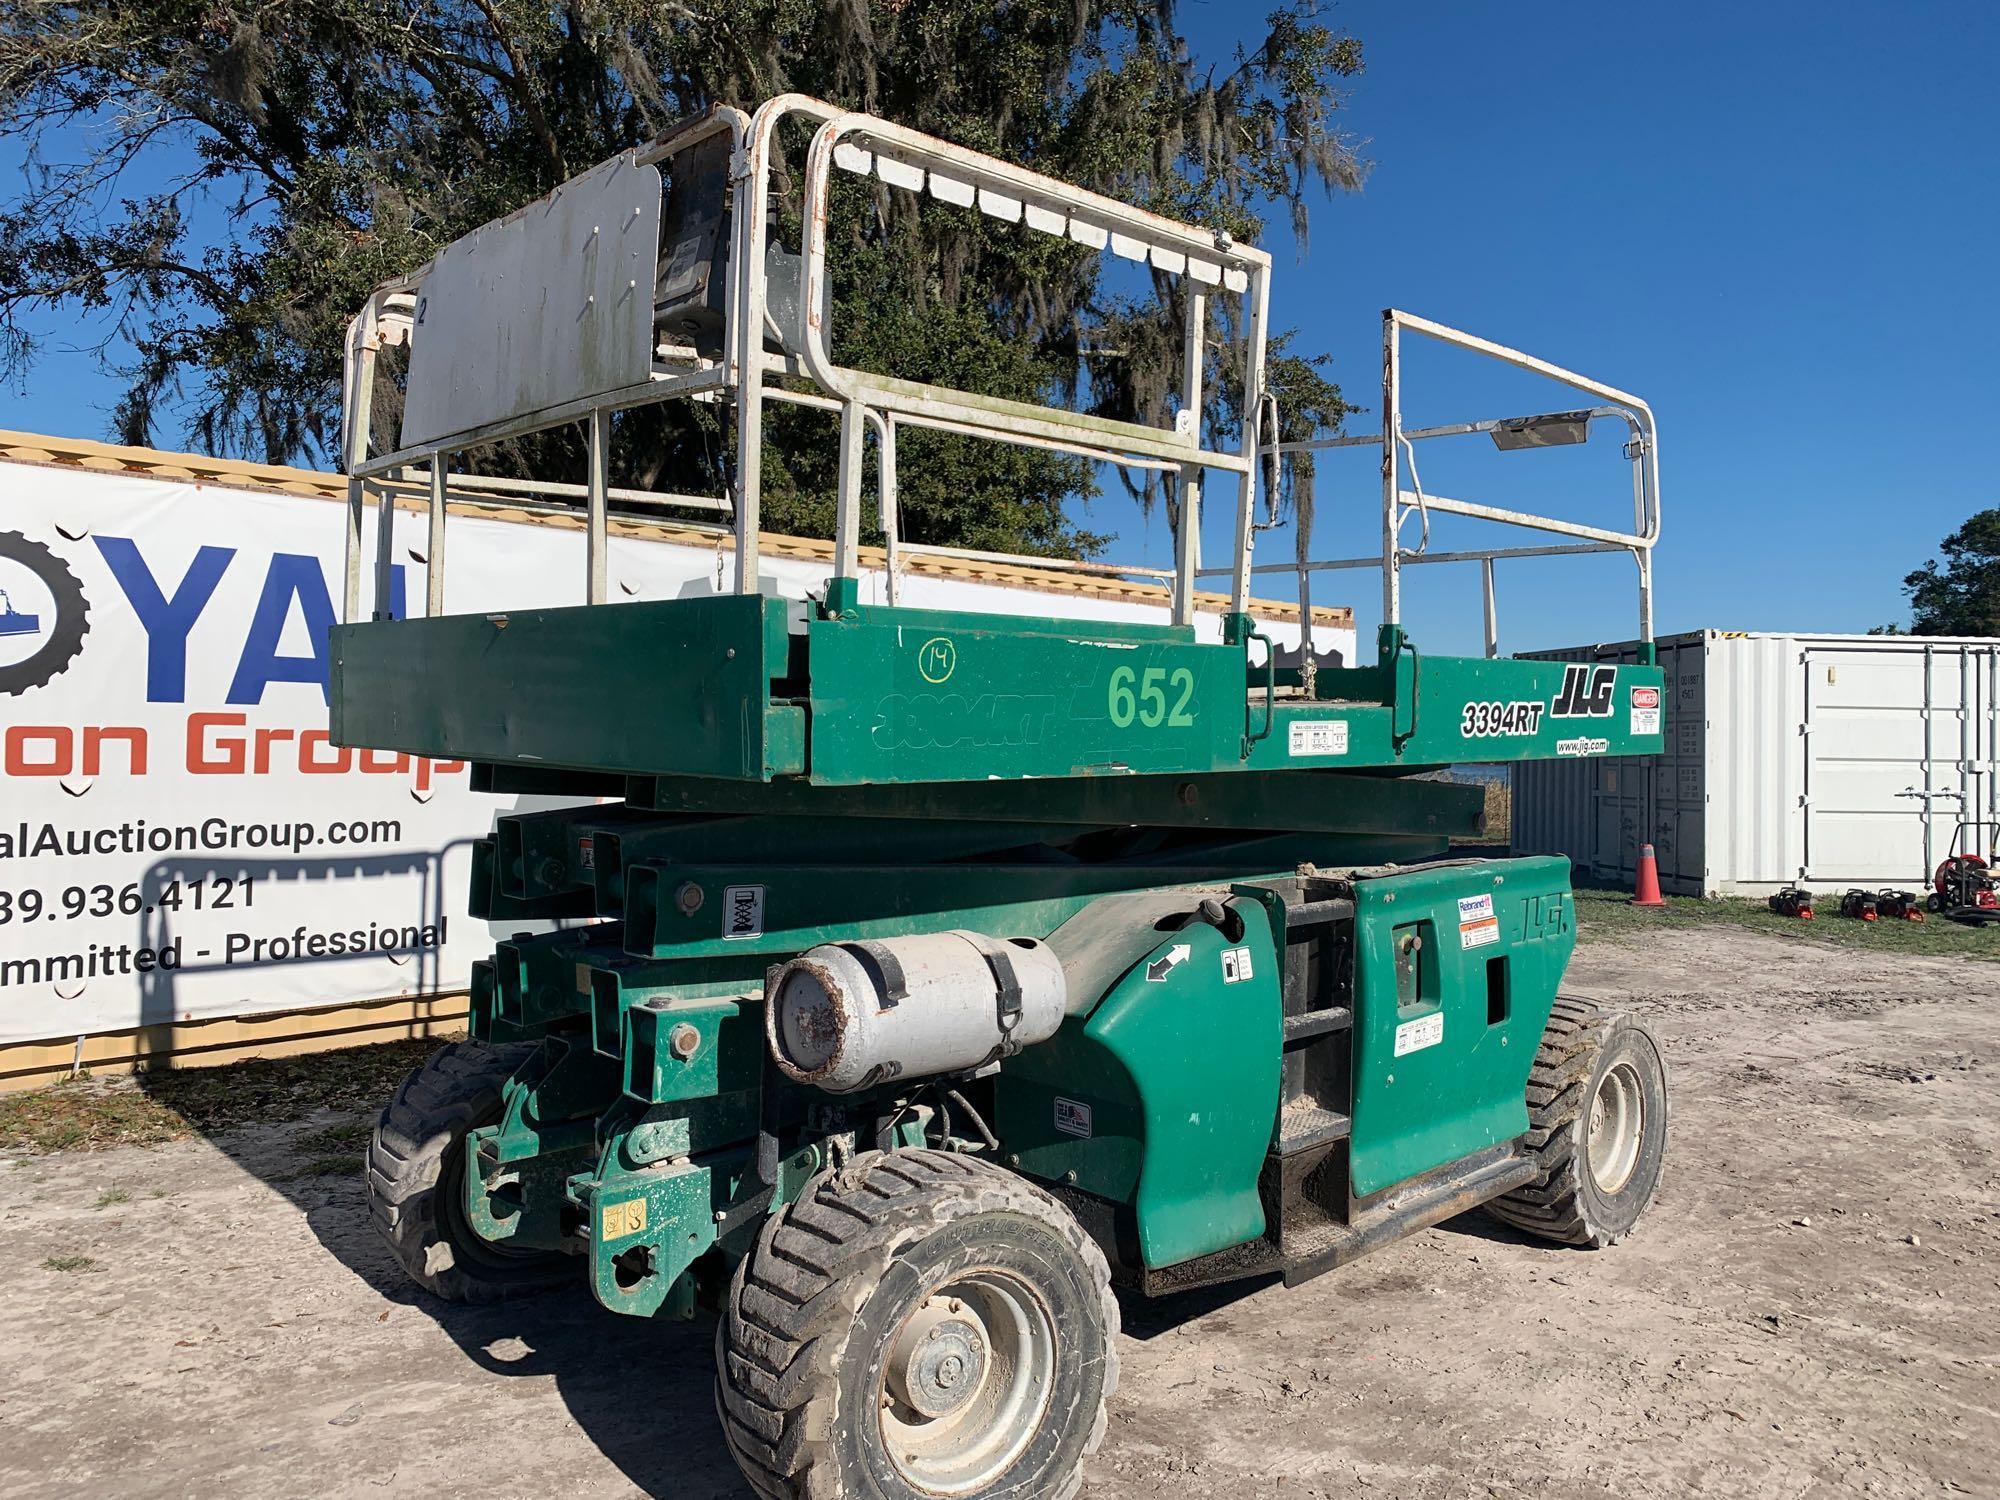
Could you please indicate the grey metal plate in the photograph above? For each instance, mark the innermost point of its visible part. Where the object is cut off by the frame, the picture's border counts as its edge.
(546, 306)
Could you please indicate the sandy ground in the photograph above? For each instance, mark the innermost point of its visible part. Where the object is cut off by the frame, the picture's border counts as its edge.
(1812, 1308)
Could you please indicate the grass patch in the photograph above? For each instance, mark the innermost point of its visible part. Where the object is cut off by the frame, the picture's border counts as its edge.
(170, 1104)
(1606, 913)
(111, 1197)
(69, 1263)
(350, 1135)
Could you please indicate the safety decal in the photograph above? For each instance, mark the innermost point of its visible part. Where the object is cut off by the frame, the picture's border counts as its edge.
(1319, 737)
(1482, 719)
(1645, 710)
(621, 1219)
(1158, 970)
(586, 852)
(742, 912)
(1425, 1031)
(1477, 925)
(1235, 965)
(1073, 1117)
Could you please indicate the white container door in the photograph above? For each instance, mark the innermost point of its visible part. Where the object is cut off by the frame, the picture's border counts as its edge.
(1897, 741)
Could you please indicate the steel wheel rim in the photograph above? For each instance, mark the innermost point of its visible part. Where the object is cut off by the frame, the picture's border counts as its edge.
(465, 1241)
(1617, 1125)
(966, 1381)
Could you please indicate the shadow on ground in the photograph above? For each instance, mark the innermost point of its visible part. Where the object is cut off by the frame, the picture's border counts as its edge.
(640, 1391)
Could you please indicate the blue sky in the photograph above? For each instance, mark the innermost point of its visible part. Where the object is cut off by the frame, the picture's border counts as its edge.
(1777, 222)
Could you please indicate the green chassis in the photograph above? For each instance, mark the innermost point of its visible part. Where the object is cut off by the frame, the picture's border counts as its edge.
(1290, 1046)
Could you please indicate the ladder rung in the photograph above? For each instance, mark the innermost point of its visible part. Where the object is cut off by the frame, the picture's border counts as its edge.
(1315, 1023)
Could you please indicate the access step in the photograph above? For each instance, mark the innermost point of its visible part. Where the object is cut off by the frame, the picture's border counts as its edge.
(1304, 1126)
(1417, 1204)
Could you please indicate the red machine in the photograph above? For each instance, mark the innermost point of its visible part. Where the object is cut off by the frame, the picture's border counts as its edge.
(1793, 901)
(1899, 906)
(1963, 886)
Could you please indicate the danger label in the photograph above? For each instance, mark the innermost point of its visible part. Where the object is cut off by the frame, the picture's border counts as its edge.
(1645, 710)
(1235, 965)
(1477, 925)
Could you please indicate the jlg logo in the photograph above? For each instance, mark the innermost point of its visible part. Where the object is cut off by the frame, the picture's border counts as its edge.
(1586, 693)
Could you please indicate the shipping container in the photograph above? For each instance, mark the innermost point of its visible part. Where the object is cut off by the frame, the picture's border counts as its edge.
(1831, 760)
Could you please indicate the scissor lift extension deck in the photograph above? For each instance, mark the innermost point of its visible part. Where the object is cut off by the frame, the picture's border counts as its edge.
(723, 687)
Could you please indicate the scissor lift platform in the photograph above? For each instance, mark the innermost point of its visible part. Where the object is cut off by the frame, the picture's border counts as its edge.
(873, 695)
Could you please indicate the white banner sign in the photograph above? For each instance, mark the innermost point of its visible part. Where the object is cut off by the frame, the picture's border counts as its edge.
(178, 838)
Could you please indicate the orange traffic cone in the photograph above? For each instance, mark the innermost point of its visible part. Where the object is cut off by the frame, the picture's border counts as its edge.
(1648, 883)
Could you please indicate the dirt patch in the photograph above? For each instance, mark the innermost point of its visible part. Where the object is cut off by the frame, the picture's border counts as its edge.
(1809, 1310)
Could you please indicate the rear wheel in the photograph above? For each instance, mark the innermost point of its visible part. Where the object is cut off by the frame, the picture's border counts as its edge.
(416, 1179)
(1597, 1116)
(919, 1324)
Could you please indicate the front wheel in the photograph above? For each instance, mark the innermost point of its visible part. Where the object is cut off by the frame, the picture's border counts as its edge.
(416, 1179)
(1597, 1117)
(918, 1324)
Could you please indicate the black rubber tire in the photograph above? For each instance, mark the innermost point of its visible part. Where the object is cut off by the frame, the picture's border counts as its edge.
(416, 1162)
(813, 1307)
(1580, 1046)
(66, 631)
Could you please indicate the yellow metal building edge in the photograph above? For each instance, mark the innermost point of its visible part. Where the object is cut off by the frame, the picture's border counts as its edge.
(225, 1039)
(193, 468)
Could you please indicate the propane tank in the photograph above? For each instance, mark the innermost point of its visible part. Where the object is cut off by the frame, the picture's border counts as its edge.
(845, 1016)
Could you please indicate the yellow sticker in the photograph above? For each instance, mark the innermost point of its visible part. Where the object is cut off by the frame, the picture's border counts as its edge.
(621, 1219)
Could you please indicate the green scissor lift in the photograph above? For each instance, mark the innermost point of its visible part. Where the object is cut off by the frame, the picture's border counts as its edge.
(911, 975)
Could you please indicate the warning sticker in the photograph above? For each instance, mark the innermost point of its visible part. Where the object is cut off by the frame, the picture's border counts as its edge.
(1425, 1031)
(586, 852)
(742, 912)
(621, 1219)
(1235, 965)
(1319, 737)
(1073, 1117)
(1645, 710)
(1477, 925)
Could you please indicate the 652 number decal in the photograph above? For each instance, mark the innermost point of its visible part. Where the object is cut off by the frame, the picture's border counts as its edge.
(1485, 719)
(1144, 696)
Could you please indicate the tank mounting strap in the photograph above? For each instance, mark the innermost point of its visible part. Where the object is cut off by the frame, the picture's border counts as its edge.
(891, 984)
(1007, 984)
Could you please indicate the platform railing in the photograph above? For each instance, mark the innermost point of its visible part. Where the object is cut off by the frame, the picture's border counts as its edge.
(620, 201)
(1396, 444)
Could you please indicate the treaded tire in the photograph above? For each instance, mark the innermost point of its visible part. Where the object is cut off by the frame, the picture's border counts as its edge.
(69, 626)
(416, 1164)
(814, 1307)
(1581, 1046)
